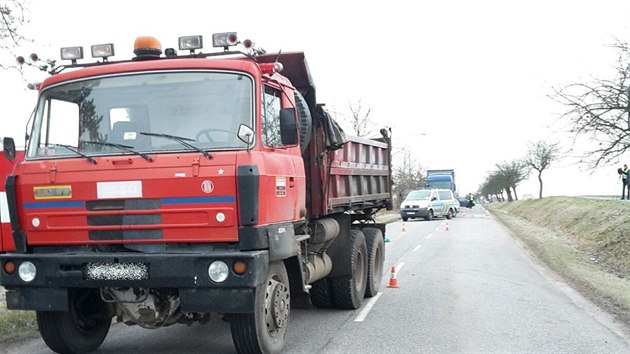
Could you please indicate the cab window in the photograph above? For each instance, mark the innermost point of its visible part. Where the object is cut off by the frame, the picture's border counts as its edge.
(271, 117)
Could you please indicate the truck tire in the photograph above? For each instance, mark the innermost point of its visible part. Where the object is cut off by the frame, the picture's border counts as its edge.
(348, 291)
(81, 329)
(449, 214)
(305, 121)
(321, 294)
(429, 216)
(375, 259)
(404, 218)
(265, 330)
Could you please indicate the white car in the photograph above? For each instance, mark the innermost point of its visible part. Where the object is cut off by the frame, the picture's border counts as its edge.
(429, 203)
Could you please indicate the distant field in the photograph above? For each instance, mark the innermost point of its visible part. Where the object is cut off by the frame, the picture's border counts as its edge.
(584, 239)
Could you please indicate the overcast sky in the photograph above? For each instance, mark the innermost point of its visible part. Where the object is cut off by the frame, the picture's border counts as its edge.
(440, 73)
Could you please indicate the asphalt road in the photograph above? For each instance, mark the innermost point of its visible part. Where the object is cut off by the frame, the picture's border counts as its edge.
(465, 286)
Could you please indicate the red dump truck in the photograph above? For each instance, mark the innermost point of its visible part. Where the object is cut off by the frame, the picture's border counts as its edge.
(173, 187)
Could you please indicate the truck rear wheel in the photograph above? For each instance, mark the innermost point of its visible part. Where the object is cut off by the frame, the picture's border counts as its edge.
(348, 291)
(375, 259)
(321, 294)
(81, 329)
(265, 330)
(449, 214)
(429, 216)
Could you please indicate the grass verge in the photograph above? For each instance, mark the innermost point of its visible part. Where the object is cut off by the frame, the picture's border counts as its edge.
(16, 325)
(585, 241)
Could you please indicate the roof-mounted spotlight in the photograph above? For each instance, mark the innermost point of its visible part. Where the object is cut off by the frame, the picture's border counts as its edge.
(103, 51)
(225, 40)
(72, 53)
(190, 43)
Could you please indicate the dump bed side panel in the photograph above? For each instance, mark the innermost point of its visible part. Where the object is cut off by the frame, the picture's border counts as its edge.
(359, 176)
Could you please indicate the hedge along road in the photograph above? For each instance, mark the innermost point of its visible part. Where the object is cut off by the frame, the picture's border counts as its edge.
(469, 289)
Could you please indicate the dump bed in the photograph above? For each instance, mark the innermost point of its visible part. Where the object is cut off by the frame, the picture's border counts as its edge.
(343, 173)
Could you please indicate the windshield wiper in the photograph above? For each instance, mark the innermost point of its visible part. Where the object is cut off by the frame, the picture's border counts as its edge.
(180, 139)
(121, 147)
(73, 149)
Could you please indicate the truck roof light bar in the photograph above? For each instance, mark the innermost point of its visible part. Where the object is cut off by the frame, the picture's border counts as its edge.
(225, 40)
(72, 53)
(190, 43)
(103, 51)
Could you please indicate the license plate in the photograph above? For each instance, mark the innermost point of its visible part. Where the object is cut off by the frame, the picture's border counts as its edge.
(116, 271)
(410, 212)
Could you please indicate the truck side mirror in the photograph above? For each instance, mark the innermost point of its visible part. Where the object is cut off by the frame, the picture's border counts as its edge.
(288, 127)
(246, 134)
(9, 148)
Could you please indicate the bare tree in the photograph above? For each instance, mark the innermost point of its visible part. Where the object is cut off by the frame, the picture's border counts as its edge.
(506, 178)
(360, 120)
(12, 18)
(540, 155)
(600, 110)
(408, 175)
(494, 185)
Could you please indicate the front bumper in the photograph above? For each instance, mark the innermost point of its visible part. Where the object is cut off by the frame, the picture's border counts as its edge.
(186, 272)
(414, 213)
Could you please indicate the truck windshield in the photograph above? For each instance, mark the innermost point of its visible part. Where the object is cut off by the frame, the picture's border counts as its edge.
(95, 116)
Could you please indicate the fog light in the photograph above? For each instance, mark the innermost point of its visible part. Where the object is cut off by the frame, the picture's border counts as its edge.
(27, 271)
(239, 267)
(9, 267)
(218, 271)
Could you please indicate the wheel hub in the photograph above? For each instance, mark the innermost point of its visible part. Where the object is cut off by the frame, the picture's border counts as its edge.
(278, 305)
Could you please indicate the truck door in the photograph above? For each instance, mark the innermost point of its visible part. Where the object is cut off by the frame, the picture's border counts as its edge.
(284, 170)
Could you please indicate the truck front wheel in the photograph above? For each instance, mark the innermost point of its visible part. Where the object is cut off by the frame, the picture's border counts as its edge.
(265, 330)
(81, 329)
(348, 291)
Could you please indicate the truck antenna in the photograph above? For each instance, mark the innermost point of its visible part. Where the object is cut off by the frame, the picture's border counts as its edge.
(278, 57)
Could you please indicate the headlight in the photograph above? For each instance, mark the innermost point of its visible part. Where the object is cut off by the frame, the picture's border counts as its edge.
(218, 271)
(27, 271)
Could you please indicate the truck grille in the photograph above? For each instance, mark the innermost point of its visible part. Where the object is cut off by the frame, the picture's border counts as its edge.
(124, 220)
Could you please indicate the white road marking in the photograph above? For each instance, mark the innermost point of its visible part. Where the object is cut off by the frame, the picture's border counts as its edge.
(399, 267)
(366, 310)
(416, 248)
(428, 237)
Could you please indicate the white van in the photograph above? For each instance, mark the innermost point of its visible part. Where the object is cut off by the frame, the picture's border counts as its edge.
(429, 203)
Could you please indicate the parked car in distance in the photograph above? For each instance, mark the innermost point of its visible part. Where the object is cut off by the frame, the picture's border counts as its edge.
(464, 202)
(429, 203)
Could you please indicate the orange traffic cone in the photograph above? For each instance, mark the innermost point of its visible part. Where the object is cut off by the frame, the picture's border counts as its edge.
(404, 229)
(446, 227)
(393, 282)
